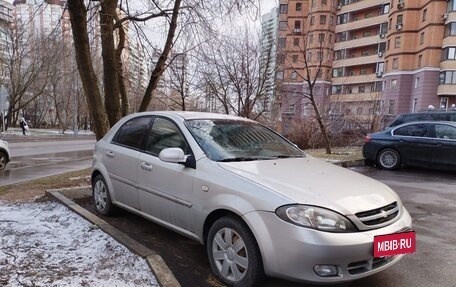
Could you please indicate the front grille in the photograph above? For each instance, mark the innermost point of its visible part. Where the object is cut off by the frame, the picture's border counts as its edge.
(367, 265)
(379, 215)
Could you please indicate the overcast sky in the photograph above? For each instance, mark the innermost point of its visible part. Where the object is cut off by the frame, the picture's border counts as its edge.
(267, 5)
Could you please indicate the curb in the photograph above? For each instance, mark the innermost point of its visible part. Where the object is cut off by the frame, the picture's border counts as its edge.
(163, 274)
(351, 163)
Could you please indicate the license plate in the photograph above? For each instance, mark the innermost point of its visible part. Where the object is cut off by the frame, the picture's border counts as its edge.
(394, 244)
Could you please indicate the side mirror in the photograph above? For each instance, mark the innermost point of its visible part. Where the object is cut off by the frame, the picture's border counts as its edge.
(176, 155)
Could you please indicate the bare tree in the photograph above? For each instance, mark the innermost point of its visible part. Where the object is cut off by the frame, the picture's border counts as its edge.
(236, 75)
(110, 23)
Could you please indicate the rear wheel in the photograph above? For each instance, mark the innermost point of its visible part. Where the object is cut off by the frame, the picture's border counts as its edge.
(388, 159)
(233, 253)
(101, 197)
(3, 160)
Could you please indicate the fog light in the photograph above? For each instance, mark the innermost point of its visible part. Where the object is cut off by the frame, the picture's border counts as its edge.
(326, 270)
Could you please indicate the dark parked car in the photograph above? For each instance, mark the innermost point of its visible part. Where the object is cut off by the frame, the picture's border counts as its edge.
(424, 116)
(424, 144)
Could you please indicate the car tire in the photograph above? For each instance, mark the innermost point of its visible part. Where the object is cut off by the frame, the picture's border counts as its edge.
(101, 197)
(233, 253)
(388, 159)
(3, 160)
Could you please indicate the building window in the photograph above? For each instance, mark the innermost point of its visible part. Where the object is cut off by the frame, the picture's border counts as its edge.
(322, 19)
(422, 38)
(391, 107)
(397, 42)
(309, 56)
(388, 44)
(311, 38)
(450, 29)
(417, 82)
(293, 76)
(324, 2)
(400, 19)
(280, 59)
(395, 63)
(321, 38)
(280, 75)
(338, 72)
(361, 89)
(298, 6)
(312, 20)
(297, 26)
(393, 84)
(296, 42)
(363, 71)
(424, 15)
(281, 43)
(283, 25)
(449, 53)
(342, 19)
(386, 9)
(420, 60)
(295, 58)
(283, 9)
(451, 5)
(320, 56)
(291, 109)
(448, 78)
(444, 103)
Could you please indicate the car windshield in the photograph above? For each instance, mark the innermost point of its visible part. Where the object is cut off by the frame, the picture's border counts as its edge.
(237, 140)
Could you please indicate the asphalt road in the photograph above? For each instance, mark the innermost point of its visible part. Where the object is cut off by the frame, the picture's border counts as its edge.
(429, 196)
(33, 158)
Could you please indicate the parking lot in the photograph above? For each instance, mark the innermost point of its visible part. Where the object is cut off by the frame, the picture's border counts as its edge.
(429, 196)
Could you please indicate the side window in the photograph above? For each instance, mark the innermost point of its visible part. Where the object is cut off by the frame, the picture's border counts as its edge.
(417, 130)
(132, 133)
(445, 132)
(164, 134)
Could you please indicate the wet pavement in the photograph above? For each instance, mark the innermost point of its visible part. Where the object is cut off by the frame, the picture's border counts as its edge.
(429, 196)
(33, 158)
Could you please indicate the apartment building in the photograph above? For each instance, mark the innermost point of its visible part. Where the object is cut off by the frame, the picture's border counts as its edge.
(6, 19)
(377, 58)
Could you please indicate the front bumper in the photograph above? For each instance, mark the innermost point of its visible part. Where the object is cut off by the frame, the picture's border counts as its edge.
(291, 252)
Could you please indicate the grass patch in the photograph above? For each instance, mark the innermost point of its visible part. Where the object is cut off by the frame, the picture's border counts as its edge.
(69, 179)
(338, 154)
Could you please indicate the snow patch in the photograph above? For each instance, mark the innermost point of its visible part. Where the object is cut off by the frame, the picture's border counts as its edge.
(45, 244)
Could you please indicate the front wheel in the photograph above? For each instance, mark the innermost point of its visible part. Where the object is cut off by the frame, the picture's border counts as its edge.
(389, 159)
(101, 197)
(233, 253)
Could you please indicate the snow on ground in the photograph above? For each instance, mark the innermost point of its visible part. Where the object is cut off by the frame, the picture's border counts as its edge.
(43, 132)
(45, 244)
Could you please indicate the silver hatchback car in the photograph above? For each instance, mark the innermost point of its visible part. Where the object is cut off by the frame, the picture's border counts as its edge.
(259, 204)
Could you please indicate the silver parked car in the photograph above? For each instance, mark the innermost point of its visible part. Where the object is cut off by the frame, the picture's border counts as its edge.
(4, 154)
(258, 203)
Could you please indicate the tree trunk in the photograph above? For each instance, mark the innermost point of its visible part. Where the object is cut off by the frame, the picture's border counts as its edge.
(160, 67)
(78, 18)
(122, 88)
(110, 75)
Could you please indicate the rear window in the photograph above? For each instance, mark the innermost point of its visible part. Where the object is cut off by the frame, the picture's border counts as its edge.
(406, 118)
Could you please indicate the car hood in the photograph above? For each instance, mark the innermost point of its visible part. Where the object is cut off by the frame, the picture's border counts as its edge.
(315, 182)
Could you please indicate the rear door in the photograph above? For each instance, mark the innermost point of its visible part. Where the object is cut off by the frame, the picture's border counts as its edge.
(445, 146)
(121, 160)
(415, 144)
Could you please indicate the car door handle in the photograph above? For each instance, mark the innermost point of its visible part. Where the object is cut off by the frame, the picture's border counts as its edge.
(146, 166)
(110, 154)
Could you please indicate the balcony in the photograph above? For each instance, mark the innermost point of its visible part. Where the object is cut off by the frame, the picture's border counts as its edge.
(368, 22)
(446, 90)
(361, 42)
(361, 79)
(357, 61)
(358, 97)
(362, 5)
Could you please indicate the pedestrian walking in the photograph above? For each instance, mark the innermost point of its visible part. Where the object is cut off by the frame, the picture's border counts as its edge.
(23, 124)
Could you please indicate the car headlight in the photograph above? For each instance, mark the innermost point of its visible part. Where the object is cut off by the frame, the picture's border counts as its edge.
(316, 218)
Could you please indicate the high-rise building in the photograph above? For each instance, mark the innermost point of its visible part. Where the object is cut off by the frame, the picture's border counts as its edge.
(6, 20)
(372, 57)
(269, 26)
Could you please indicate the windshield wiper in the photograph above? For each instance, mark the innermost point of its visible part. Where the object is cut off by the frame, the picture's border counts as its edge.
(241, 158)
(287, 156)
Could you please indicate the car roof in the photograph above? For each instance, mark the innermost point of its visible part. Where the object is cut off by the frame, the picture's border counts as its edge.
(190, 115)
(425, 122)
